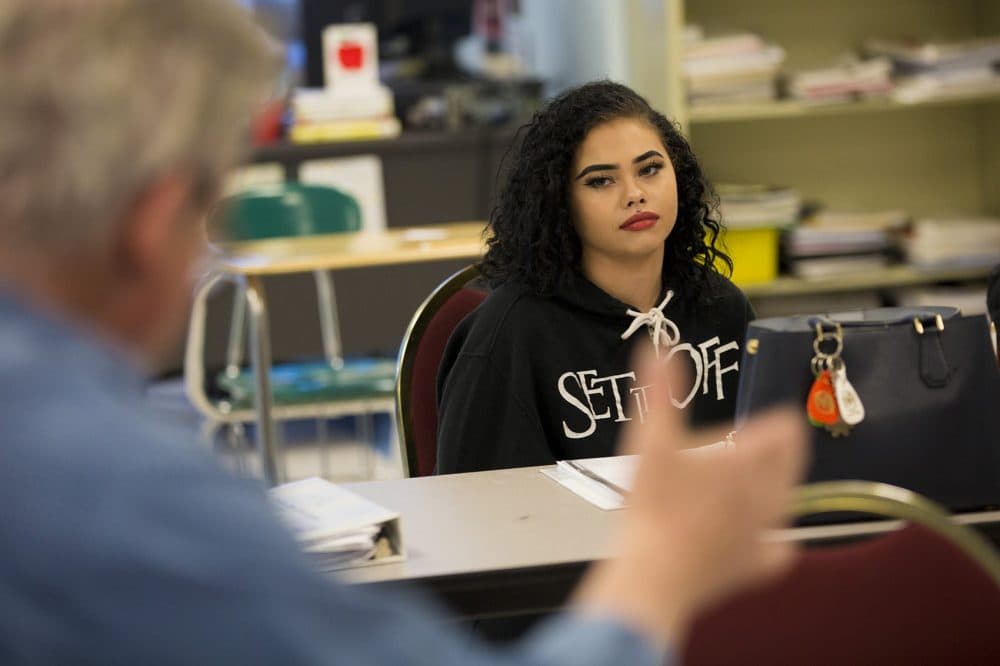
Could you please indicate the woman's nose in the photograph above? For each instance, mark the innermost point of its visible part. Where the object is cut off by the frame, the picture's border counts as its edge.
(634, 195)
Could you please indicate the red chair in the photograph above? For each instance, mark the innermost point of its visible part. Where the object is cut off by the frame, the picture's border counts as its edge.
(419, 358)
(928, 593)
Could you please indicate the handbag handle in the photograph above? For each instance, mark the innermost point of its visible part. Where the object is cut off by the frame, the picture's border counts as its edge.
(899, 316)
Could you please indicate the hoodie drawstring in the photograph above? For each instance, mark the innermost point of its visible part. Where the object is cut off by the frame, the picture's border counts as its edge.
(659, 326)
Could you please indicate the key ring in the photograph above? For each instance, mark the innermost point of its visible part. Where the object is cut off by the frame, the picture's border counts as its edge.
(823, 360)
(836, 335)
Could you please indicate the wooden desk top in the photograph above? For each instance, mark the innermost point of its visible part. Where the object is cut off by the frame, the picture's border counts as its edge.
(456, 240)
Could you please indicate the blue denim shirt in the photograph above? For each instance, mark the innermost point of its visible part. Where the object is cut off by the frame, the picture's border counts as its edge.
(124, 543)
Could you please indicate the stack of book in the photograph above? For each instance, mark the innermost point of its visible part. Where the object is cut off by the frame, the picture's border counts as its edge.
(319, 115)
(953, 243)
(752, 206)
(933, 70)
(734, 68)
(844, 82)
(828, 244)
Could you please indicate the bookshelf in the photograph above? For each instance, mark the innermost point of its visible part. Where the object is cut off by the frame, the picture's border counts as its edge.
(889, 278)
(788, 108)
(934, 158)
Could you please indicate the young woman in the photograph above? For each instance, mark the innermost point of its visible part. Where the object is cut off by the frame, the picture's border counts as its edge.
(603, 235)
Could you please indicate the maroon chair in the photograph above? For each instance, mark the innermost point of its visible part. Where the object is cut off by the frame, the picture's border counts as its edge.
(918, 595)
(419, 358)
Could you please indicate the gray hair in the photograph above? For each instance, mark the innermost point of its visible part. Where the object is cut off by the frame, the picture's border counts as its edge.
(102, 97)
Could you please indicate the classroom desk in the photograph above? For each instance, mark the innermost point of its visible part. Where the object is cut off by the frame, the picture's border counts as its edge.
(249, 261)
(515, 541)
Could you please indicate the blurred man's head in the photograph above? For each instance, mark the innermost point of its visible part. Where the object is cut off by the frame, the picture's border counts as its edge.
(118, 120)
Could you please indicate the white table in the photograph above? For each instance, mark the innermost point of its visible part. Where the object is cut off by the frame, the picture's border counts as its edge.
(514, 541)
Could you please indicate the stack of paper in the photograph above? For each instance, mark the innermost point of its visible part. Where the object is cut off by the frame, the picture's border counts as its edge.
(335, 527)
(606, 482)
(884, 220)
(830, 243)
(735, 68)
(806, 241)
(953, 243)
(844, 82)
(817, 268)
(319, 115)
(933, 70)
(747, 206)
(914, 55)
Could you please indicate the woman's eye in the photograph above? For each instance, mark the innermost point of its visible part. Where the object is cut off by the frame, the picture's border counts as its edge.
(598, 182)
(650, 169)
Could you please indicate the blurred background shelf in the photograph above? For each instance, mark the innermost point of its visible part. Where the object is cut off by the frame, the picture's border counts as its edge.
(896, 276)
(785, 108)
(937, 158)
(407, 142)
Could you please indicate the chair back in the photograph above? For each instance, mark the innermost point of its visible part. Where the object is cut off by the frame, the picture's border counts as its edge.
(419, 357)
(284, 210)
(993, 306)
(929, 592)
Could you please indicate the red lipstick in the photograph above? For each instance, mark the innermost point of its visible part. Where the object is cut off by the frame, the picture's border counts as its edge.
(639, 221)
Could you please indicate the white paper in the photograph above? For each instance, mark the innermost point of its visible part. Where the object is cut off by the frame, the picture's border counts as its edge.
(317, 510)
(619, 470)
(598, 495)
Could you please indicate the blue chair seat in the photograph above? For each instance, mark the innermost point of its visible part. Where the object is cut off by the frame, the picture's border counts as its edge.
(315, 381)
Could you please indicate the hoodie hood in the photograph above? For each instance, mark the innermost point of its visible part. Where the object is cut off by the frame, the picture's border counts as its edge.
(582, 294)
(585, 296)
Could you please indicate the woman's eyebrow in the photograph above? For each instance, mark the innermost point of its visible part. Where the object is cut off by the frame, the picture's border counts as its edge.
(611, 167)
(596, 167)
(647, 155)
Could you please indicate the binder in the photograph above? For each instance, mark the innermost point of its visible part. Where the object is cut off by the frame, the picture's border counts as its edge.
(336, 528)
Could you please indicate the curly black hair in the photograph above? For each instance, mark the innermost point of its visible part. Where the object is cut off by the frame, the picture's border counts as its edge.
(534, 242)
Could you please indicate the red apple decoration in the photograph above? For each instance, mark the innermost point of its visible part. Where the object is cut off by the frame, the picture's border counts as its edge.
(351, 55)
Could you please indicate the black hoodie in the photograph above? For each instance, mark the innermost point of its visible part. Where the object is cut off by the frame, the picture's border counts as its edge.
(527, 380)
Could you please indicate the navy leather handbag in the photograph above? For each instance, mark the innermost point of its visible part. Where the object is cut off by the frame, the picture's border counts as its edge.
(927, 386)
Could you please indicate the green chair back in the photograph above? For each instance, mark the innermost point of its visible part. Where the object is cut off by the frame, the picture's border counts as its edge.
(284, 210)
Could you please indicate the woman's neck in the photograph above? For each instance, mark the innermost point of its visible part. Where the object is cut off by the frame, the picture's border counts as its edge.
(638, 282)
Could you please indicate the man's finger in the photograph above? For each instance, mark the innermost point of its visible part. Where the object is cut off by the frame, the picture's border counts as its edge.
(663, 422)
(776, 439)
(773, 446)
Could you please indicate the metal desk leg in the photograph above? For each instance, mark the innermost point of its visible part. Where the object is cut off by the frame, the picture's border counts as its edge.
(260, 344)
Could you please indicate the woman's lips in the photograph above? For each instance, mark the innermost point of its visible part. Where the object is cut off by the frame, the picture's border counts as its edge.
(639, 222)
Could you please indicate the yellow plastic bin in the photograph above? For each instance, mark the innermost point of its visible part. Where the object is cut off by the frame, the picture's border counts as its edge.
(754, 252)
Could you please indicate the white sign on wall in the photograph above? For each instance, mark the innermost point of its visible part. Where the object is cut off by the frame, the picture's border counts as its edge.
(359, 176)
(350, 57)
